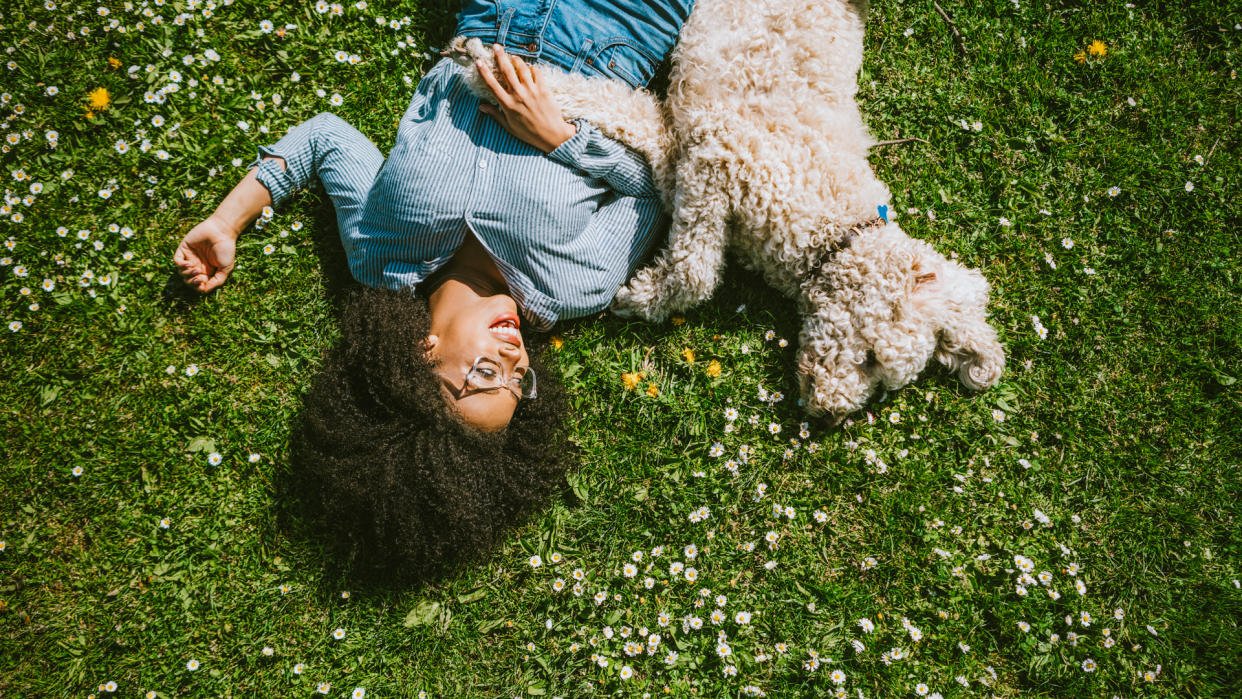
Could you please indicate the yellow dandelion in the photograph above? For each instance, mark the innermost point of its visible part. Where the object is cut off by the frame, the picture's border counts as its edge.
(114, 62)
(653, 390)
(1097, 48)
(90, 115)
(557, 342)
(688, 355)
(1080, 56)
(99, 98)
(678, 320)
(713, 369)
(631, 379)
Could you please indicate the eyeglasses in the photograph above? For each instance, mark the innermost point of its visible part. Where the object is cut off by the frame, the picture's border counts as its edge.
(488, 376)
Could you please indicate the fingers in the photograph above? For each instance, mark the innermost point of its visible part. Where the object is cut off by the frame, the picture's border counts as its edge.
(215, 281)
(489, 79)
(188, 265)
(505, 62)
(523, 71)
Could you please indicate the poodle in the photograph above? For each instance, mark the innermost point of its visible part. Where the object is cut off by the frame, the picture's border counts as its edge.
(761, 149)
(770, 158)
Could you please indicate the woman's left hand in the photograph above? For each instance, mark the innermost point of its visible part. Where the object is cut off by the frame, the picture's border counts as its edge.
(526, 108)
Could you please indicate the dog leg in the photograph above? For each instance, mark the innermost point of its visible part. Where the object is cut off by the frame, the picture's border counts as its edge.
(835, 369)
(688, 270)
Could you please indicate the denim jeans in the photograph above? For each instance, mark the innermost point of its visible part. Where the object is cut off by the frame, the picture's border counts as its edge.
(621, 39)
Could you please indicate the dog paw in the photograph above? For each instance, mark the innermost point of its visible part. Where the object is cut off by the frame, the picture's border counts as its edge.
(638, 299)
(984, 372)
(627, 304)
(465, 51)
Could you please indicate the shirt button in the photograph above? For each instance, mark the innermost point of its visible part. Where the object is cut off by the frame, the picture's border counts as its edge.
(482, 163)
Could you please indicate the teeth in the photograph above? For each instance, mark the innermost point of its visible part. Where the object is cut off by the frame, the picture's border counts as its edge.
(507, 332)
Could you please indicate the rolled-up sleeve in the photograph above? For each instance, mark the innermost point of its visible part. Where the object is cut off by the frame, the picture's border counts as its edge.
(596, 155)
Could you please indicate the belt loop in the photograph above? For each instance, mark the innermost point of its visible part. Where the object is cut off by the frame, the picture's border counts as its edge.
(503, 30)
(583, 55)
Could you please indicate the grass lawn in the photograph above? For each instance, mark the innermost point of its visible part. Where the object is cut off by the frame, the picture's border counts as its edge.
(145, 548)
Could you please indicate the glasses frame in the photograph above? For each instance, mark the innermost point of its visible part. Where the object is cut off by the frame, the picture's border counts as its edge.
(508, 381)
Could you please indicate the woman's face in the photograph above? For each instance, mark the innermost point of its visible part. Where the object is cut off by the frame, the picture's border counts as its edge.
(471, 320)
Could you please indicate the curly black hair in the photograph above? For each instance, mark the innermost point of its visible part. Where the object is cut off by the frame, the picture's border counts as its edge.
(391, 473)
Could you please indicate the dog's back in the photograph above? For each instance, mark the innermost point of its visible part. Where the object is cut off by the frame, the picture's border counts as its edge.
(762, 95)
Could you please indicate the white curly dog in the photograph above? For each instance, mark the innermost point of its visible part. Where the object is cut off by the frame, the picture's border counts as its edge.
(766, 154)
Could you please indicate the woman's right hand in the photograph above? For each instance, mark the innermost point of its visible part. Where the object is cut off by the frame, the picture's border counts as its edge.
(526, 107)
(206, 254)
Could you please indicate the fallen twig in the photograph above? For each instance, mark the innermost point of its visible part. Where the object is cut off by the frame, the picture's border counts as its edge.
(897, 141)
(1211, 150)
(957, 36)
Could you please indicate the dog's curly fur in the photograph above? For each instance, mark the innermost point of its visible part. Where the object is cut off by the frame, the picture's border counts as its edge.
(765, 153)
(771, 162)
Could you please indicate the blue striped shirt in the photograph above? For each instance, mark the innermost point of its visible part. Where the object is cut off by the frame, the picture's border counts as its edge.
(566, 229)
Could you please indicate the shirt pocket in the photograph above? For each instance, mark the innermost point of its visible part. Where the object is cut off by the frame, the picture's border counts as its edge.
(627, 61)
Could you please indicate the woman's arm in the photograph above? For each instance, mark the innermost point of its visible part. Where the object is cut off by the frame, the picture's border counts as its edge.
(528, 111)
(596, 155)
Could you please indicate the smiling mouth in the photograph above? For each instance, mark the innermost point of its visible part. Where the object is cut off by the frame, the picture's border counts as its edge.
(506, 328)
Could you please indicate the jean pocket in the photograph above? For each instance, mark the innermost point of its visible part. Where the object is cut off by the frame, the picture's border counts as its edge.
(627, 61)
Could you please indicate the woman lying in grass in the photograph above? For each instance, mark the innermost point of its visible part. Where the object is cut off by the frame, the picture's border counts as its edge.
(433, 425)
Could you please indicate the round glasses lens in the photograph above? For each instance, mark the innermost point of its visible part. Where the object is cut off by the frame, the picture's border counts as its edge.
(528, 383)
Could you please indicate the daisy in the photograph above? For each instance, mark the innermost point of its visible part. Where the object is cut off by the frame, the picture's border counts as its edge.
(214, 458)
(535, 561)
(192, 665)
(338, 634)
(323, 687)
(1190, 186)
(336, 100)
(1088, 665)
(1114, 191)
(358, 693)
